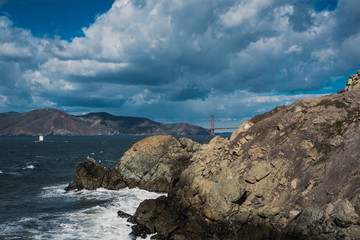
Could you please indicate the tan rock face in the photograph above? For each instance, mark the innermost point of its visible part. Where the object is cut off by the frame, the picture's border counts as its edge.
(282, 173)
(154, 162)
(258, 171)
(222, 198)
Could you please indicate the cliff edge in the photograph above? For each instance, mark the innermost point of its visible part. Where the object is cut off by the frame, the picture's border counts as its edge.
(291, 173)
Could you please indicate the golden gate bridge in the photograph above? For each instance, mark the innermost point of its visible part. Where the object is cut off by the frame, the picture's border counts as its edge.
(213, 128)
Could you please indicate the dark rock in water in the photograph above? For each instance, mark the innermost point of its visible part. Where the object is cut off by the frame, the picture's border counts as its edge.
(139, 231)
(123, 214)
(91, 175)
(158, 216)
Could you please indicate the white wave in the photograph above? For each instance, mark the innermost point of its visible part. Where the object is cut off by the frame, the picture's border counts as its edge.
(100, 221)
(53, 191)
(97, 222)
(29, 167)
(1, 172)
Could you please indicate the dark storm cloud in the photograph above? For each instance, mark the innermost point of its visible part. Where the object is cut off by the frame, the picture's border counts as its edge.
(348, 18)
(95, 102)
(301, 20)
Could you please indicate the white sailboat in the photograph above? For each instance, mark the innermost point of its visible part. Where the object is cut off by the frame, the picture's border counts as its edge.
(41, 138)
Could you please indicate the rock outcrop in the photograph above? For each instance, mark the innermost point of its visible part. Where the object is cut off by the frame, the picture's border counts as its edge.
(151, 164)
(291, 173)
(91, 175)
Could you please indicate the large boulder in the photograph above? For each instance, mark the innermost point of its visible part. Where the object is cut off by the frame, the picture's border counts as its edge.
(154, 162)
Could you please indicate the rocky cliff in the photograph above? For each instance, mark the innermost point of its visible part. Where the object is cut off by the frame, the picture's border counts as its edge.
(291, 173)
(54, 122)
(151, 164)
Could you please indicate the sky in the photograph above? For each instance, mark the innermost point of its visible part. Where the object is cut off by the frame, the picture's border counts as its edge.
(174, 60)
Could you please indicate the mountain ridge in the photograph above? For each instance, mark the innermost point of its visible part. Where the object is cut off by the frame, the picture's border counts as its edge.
(51, 121)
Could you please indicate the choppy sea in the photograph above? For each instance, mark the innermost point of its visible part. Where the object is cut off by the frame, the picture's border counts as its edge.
(33, 175)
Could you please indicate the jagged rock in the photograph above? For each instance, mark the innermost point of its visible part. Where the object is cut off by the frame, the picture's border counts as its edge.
(345, 214)
(91, 175)
(244, 126)
(258, 171)
(223, 198)
(123, 214)
(161, 216)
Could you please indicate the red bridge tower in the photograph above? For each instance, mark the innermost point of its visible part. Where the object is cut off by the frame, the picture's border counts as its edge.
(212, 125)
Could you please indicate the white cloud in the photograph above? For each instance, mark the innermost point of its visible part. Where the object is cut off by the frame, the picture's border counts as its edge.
(4, 101)
(122, 33)
(36, 78)
(245, 10)
(253, 100)
(294, 49)
(39, 102)
(13, 51)
(84, 67)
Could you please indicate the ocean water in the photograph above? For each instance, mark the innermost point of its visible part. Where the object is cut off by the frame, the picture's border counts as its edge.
(33, 175)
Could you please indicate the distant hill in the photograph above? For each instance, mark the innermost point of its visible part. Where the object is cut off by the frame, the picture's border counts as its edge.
(51, 121)
(9, 114)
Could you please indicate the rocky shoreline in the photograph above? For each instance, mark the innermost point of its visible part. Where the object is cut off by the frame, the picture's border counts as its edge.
(291, 173)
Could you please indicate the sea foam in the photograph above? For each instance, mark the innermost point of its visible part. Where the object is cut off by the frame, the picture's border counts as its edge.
(97, 222)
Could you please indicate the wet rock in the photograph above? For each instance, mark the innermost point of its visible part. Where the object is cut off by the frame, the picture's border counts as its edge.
(91, 175)
(123, 214)
(156, 216)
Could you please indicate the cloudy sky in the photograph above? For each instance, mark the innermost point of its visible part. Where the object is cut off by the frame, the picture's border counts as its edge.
(174, 60)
